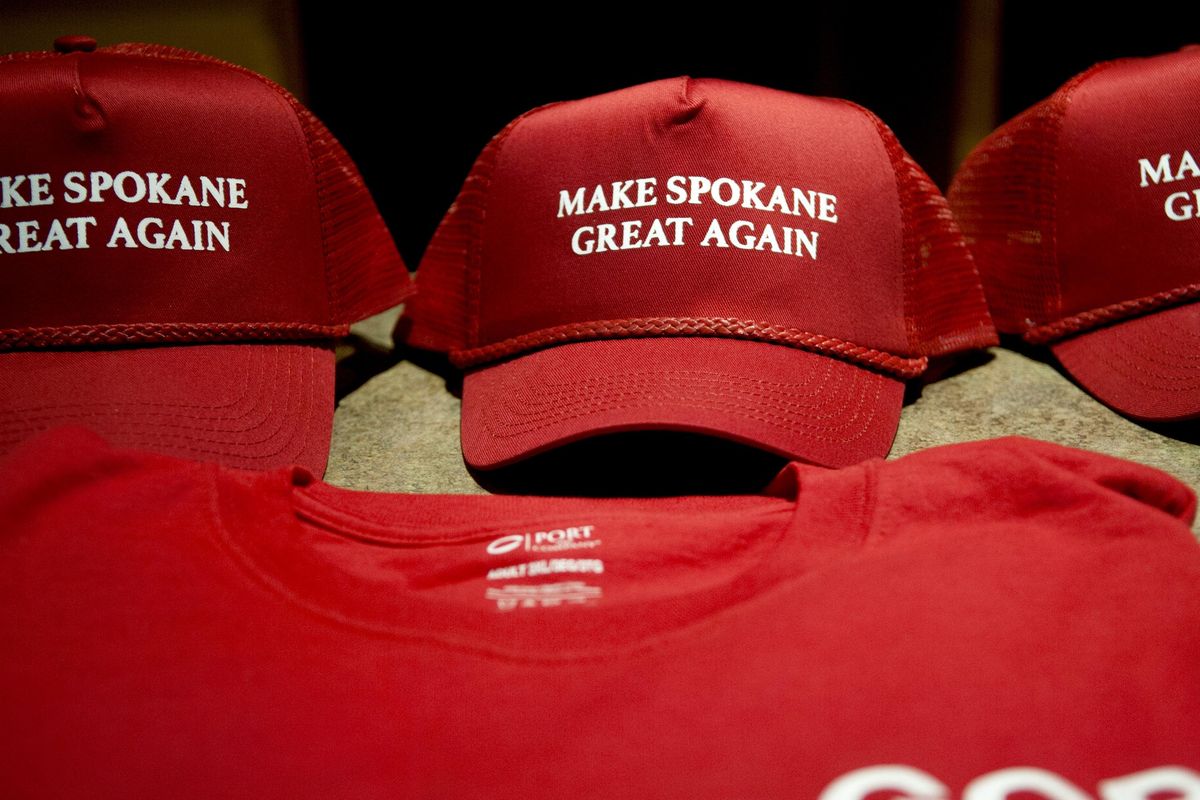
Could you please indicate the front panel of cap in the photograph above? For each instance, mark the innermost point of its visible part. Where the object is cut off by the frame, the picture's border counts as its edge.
(694, 198)
(1129, 183)
(169, 191)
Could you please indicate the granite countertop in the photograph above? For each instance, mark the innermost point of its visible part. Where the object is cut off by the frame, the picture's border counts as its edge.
(396, 425)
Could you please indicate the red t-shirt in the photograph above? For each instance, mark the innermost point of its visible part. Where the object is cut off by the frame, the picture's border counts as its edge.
(1005, 619)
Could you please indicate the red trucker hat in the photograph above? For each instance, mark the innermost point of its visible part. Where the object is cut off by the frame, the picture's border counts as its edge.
(180, 241)
(1084, 217)
(695, 255)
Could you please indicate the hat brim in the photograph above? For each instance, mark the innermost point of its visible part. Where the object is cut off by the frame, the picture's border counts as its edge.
(798, 404)
(253, 406)
(1147, 368)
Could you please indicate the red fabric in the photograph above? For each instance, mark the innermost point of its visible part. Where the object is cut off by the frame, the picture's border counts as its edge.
(146, 114)
(1003, 198)
(1146, 367)
(181, 629)
(1115, 241)
(529, 278)
(140, 109)
(306, 256)
(945, 310)
(253, 406)
(520, 262)
(790, 402)
(1069, 210)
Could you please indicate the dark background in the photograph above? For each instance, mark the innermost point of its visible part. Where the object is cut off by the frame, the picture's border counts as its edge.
(940, 74)
(414, 101)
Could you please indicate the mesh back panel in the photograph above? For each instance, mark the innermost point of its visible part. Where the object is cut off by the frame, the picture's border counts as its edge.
(1003, 197)
(945, 310)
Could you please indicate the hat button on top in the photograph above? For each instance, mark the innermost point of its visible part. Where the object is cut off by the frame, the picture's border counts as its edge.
(74, 44)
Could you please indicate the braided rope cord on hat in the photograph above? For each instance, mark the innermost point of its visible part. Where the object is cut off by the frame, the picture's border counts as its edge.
(163, 333)
(142, 333)
(899, 366)
(1078, 323)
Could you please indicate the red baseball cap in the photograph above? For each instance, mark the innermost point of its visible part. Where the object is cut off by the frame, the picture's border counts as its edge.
(696, 255)
(181, 240)
(1083, 217)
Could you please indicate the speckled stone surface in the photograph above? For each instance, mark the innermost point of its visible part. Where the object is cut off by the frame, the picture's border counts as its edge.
(398, 430)
(1013, 394)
